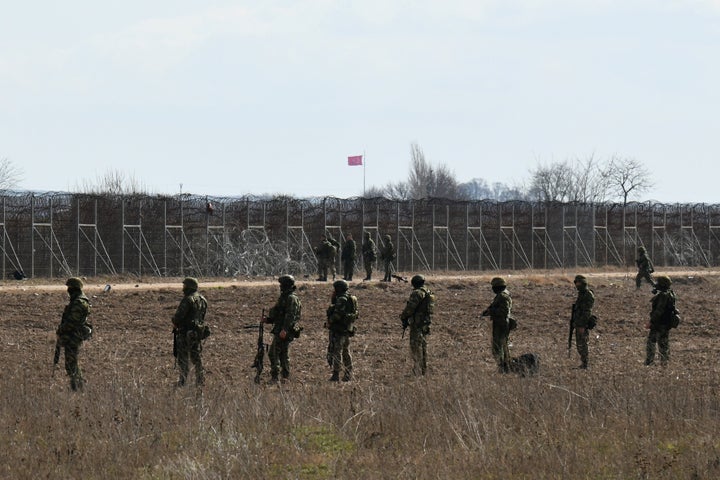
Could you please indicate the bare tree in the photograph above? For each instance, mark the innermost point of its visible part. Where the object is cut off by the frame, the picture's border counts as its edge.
(112, 182)
(552, 183)
(628, 178)
(10, 175)
(571, 181)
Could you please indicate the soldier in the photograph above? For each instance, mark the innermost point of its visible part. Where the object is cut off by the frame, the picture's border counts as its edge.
(499, 312)
(645, 268)
(418, 316)
(284, 316)
(369, 253)
(322, 252)
(663, 306)
(348, 257)
(190, 330)
(387, 255)
(582, 314)
(341, 322)
(73, 330)
(332, 255)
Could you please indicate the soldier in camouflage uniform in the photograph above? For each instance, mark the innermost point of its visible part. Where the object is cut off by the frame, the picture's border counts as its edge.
(369, 253)
(348, 257)
(341, 317)
(332, 255)
(325, 258)
(284, 316)
(645, 268)
(190, 330)
(417, 315)
(499, 312)
(582, 313)
(73, 330)
(663, 306)
(387, 255)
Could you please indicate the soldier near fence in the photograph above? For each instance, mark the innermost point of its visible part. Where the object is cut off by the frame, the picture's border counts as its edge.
(73, 330)
(325, 253)
(417, 315)
(583, 318)
(285, 318)
(189, 331)
(499, 311)
(387, 255)
(662, 313)
(341, 317)
(369, 253)
(349, 252)
(645, 268)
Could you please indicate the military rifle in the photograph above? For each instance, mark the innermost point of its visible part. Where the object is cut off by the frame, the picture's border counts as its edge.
(56, 356)
(399, 278)
(572, 327)
(175, 345)
(261, 348)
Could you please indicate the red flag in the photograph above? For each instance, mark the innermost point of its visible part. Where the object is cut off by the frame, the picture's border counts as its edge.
(356, 160)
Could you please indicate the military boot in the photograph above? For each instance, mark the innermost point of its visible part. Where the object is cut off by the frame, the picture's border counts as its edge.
(347, 376)
(335, 377)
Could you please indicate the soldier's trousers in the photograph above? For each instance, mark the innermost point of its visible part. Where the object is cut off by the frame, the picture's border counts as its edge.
(500, 350)
(661, 336)
(639, 278)
(189, 349)
(582, 335)
(279, 354)
(322, 269)
(418, 350)
(72, 351)
(388, 270)
(340, 353)
(368, 264)
(348, 267)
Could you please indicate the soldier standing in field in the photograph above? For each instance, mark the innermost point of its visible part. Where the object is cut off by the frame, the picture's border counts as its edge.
(663, 307)
(341, 317)
(73, 330)
(645, 268)
(190, 330)
(348, 257)
(369, 253)
(332, 255)
(582, 315)
(387, 255)
(499, 312)
(323, 253)
(284, 316)
(417, 315)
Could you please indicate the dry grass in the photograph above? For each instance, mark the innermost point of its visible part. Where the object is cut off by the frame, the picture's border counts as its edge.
(617, 420)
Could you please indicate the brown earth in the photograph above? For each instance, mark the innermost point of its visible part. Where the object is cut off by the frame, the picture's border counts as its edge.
(132, 328)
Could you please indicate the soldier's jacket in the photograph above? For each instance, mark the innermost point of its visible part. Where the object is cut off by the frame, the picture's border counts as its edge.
(190, 314)
(285, 314)
(348, 251)
(663, 304)
(369, 250)
(419, 310)
(388, 252)
(644, 264)
(342, 314)
(501, 306)
(74, 319)
(326, 250)
(583, 307)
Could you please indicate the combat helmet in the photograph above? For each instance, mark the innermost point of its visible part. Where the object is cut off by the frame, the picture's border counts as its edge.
(641, 249)
(286, 281)
(340, 285)
(74, 282)
(663, 282)
(498, 282)
(580, 279)
(190, 283)
(417, 281)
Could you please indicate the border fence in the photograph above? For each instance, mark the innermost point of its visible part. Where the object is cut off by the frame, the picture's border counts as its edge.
(62, 234)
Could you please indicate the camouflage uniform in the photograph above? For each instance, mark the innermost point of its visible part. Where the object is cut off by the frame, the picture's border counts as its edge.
(583, 311)
(341, 323)
(332, 256)
(284, 316)
(325, 253)
(348, 258)
(663, 304)
(369, 253)
(189, 330)
(73, 329)
(499, 312)
(645, 268)
(387, 255)
(418, 316)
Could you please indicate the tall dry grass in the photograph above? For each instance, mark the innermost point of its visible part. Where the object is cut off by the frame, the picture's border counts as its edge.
(651, 425)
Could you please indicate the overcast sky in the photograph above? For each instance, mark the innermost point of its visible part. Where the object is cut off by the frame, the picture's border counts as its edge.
(238, 97)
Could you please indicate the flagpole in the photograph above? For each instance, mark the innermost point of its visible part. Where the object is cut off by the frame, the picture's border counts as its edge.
(364, 162)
